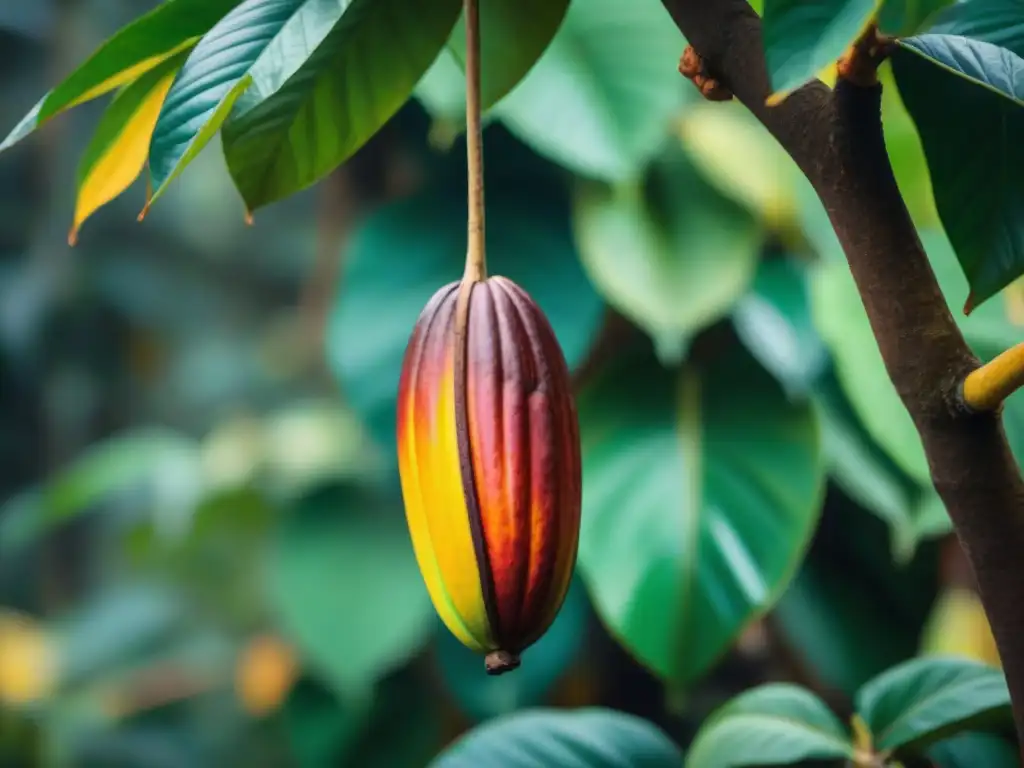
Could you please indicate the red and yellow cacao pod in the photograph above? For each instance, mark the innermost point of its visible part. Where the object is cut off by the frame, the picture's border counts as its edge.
(489, 457)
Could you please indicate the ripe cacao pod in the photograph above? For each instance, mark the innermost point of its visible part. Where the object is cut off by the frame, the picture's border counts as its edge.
(489, 457)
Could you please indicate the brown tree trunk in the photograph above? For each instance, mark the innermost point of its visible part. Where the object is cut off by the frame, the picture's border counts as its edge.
(835, 137)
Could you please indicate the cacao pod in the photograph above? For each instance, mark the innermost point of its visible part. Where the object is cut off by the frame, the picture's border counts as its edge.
(489, 458)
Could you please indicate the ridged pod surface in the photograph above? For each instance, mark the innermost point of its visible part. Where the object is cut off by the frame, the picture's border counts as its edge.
(489, 457)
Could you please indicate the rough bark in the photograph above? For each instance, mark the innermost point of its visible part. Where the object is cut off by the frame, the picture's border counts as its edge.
(835, 137)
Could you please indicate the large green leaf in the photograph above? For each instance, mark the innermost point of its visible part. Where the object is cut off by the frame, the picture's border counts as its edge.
(803, 37)
(903, 18)
(513, 35)
(1000, 22)
(672, 254)
(771, 725)
(344, 584)
(283, 70)
(482, 697)
(406, 251)
(585, 738)
(138, 47)
(600, 99)
(701, 490)
(924, 700)
(773, 320)
(864, 471)
(284, 135)
(842, 321)
(976, 193)
(973, 750)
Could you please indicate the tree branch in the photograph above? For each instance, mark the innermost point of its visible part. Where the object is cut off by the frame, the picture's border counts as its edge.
(835, 137)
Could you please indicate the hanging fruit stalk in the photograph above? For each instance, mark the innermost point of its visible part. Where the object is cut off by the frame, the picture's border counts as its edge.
(488, 443)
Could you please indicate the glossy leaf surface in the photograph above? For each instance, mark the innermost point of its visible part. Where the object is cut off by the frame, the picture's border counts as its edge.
(689, 529)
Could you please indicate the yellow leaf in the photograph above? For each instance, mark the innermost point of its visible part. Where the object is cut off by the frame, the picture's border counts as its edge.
(958, 627)
(118, 151)
(265, 673)
(27, 660)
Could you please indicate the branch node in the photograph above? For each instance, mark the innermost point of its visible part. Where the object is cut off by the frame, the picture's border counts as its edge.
(985, 388)
(693, 67)
(859, 64)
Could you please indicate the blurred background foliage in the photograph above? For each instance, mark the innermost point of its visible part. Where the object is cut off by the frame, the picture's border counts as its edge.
(203, 558)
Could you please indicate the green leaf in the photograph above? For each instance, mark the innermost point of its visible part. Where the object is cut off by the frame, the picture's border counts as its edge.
(279, 64)
(1000, 22)
(345, 586)
(864, 471)
(114, 629)
(931, 520)
(600, 98)
(341, 87)
(584, 738)
(513, 35)
(976, 193)
(171, 27)
(842, 322)
(902, 18)
(773, 320)
(482, 697)
(405, 251)
(701, 491)
(803, 37)
(925, 700)
(740, 157)
(167, 461)
(217, 558)
(972, 750)
(771, 725)
(671, 254)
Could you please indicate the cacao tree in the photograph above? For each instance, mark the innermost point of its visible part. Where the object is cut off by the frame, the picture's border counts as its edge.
(293, 89)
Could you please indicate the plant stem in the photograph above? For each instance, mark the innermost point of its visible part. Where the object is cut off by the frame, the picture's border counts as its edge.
(986, 387)
(476, 254)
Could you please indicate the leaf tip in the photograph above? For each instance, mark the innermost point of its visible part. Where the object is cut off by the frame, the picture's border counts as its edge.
(248, 218)
(73, 235)
(969, 304)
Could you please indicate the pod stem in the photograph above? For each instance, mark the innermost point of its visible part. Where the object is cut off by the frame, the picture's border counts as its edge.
(500, 662)
(476, 255)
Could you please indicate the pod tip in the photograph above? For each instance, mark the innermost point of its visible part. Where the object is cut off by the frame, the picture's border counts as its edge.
(500, 662)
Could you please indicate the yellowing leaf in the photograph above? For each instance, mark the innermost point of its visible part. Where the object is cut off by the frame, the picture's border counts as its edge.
(739, 157)
(958, 627)
(117, 153)
(27, 660)
(266, 671)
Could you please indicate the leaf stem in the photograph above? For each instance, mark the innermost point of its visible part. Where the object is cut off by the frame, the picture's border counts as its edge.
(985, 388)
(476, 254)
